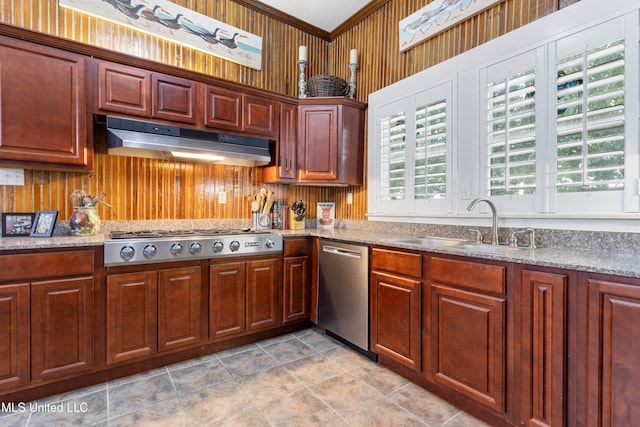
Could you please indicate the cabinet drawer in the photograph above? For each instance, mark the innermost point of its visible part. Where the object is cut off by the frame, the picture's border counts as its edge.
(484, 277)
(296, 247)
(46, 264)
(403, 263)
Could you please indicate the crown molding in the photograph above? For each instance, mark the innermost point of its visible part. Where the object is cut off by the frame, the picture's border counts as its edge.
(308, 28)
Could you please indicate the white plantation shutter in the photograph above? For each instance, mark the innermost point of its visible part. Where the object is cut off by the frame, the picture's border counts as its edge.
(393, 135)
(511, 135)
(591, 120)
(431, 150)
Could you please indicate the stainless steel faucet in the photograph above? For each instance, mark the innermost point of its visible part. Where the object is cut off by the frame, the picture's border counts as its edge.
(494, 212)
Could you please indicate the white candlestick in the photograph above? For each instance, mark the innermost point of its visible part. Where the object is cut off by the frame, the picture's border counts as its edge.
(353, 57)
(302, 53)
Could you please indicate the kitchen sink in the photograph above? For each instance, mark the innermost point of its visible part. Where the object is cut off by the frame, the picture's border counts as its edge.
(490, 249)
(427, 241)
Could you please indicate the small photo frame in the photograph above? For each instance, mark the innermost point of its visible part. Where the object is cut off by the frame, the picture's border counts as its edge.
(17, 224)
(326, 215)
(44, 223)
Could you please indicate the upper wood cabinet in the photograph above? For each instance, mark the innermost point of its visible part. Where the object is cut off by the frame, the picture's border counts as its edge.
(138, 92)
(43, 107)
(237, 111)
(330, 141)
(283, 167)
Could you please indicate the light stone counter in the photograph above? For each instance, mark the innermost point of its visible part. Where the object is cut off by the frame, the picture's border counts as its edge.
(622, 260)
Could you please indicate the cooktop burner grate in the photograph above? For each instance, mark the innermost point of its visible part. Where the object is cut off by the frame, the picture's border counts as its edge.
(154, 234)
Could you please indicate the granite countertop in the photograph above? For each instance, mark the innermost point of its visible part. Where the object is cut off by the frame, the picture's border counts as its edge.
(621, 263)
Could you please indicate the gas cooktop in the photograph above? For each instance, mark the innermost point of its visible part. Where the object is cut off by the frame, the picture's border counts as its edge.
(152, 246)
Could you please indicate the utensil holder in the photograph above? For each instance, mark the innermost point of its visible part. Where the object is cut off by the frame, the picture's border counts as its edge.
(295, 223)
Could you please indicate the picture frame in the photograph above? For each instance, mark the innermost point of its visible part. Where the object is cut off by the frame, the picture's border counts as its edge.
(17, 224)
(44, 223)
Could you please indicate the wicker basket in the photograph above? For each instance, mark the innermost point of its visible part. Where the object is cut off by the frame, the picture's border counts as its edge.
(326, 86)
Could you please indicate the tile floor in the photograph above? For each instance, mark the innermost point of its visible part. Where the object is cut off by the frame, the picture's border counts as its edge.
(301, 379)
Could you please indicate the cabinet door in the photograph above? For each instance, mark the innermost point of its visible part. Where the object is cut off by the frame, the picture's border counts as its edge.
(297, 287)
(227, 295)
(395, 331)
(43, 108)
(174, 99)
(610, 374)
(543, 319)
(222, 108)
(61, 328)
(468, 343)
(131, 316)
(318, 143)
(123, 89)
(263, 283)
(14, 334)
(178, 308)
(283, 167)
(260, 116)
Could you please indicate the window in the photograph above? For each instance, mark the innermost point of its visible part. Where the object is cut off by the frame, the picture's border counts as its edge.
(547, 129)
(590, 120)
(511, 139)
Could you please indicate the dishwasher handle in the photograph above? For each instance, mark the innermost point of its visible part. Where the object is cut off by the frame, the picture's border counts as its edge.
(341, 251)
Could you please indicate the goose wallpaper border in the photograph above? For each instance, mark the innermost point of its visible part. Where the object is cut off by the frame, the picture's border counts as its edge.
(177, 24)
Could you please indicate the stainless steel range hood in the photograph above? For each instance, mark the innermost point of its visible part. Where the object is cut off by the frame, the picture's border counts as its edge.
(135, 138)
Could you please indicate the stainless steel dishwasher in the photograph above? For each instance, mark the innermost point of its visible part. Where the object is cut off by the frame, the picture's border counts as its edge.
(343, 293)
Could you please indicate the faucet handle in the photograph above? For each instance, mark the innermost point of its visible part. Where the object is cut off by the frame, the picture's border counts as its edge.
(477, 233)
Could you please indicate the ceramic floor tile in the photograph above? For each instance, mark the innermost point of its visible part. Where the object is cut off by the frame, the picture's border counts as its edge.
(169, 413)
(17, 418)
(266, 386)
(248, 362)
(192, 378)
(465, 420)
(217, 403)
(244, 419)
(426, 406)
(316, 339)
(236, 350)
(287, 351)
(133, 396)
(346, 358)
(313, 369)
(380, 378)
(382, 413)
(345, 393)
(301, 409)
(84, 410)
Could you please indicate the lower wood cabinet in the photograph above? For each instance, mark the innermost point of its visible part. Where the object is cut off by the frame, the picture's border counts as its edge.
(608, 375)
(61, 328)
(296, 292)
(541, 321)
(46, 316)
(465, 337)
(395, 292)
(15, 352)
(152, 311)
(244, 296)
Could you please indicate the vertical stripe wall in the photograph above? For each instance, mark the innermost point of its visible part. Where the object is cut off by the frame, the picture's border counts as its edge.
(154, 189)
